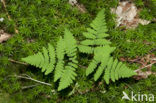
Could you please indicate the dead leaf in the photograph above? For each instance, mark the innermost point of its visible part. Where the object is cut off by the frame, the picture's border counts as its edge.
(127, 15)
(4, 36)
(145, 62)
(73, 2)
(81, 7)
(142, 75)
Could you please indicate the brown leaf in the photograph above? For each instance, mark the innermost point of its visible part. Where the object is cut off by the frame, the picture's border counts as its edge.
(80, 7)
(4, 36)
(127, 15)
(145, 62)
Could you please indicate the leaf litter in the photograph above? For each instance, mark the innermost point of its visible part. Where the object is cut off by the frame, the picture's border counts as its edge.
(4, 36)
(145, 62)
(127, 15)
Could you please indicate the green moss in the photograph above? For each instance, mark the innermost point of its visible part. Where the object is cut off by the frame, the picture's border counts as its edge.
(42, 21)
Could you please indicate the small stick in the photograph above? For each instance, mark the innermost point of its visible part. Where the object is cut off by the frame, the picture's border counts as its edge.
(29, 78)
(145, 67)
(4, 5)
(14, 61)
(27, 87)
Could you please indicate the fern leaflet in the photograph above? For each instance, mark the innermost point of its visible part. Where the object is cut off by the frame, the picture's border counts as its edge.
(44, 60)
(95, 35)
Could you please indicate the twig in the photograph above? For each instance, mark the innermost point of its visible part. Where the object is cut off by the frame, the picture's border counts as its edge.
(145, 67)
(14, 61)
(81, 8)
(4, 5)
(81, 66)
(154, 49)
(30, 86)
(29, 78)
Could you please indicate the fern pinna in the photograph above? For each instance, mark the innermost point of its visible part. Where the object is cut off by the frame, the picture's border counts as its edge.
(65, 72)
(95, 35)
(102, 62)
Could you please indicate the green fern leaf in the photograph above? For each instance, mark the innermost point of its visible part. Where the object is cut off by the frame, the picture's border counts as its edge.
(114, 65)
(51, 59)
(70, 42)
(95, 36)
(67, 77)
(60, 52)
(43, 60)
(108, 70)
(102, 63)
(91, 67)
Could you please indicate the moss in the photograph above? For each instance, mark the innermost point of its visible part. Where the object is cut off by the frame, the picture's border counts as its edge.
(42, 21)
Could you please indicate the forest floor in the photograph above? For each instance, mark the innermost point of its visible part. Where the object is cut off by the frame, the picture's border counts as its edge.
(29, 25)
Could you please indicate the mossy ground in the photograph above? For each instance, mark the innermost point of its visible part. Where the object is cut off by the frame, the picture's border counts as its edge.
(41, 22)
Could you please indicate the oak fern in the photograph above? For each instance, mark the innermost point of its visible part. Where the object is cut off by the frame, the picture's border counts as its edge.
(65, 72)
(63, 59)
(102, 63)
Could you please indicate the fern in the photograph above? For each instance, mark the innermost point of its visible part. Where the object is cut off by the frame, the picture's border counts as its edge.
(102, 63)
(64, 58)
(65, 72)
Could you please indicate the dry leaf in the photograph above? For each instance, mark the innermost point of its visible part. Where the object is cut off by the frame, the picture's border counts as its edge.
(81, 7)
(73, 2)
(127, 15)
(146, 62)
(4, 36)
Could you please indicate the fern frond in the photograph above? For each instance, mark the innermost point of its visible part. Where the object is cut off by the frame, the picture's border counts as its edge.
(44, 60)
